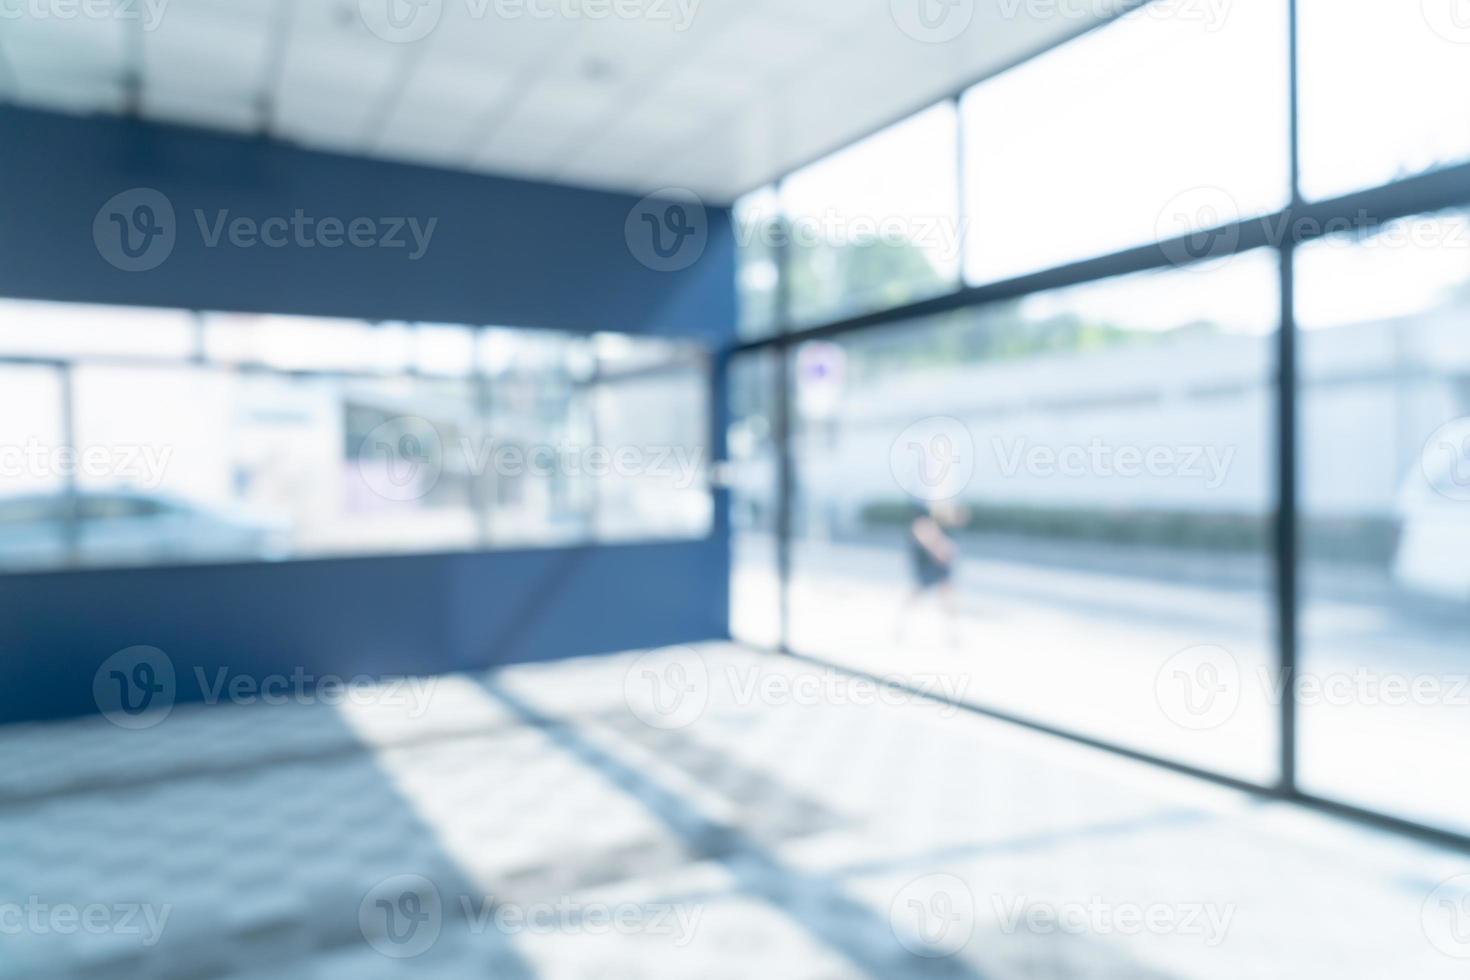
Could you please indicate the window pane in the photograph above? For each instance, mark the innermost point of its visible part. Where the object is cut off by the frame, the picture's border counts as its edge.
(755, 596)
(298, 343)
(1385, 91)
(1170, 120)
(1385, 485)
(756, 216)
(194, 464)
(876, 224)
(445, 350)
(410, 483)
(537, 406)
(619, 354)
(505, 352)
(344, 437)
(30, 329)
(651, 456)
(33, 468)
(1099, 461)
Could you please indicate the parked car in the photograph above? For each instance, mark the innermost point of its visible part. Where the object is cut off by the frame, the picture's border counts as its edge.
(128, 527)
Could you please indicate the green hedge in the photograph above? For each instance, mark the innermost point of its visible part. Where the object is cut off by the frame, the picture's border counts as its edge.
(1368, 539)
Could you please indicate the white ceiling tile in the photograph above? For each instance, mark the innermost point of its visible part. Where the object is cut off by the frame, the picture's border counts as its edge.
(203, 109)
(515, 157)
(332, 85)
(207, 45)
(330, 18)
(835, 16)
(659, 118)
(467, 29)
(322, 124)
(437, 135)
(69, 93)
(549, 125)
(83, 46)
(710, 86)
(739, 151)
(428, 145)
(456, 93)
(521, 146)
(608, 172)
(339, 66)
(561, 109)
(324, 132)
(720, 103)
(622, 50)
(767, 44)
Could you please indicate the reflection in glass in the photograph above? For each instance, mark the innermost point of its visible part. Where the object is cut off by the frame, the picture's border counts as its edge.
(1385, 490)
(1098, 459)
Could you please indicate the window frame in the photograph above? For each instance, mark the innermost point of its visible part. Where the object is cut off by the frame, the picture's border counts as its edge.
(1301, 220)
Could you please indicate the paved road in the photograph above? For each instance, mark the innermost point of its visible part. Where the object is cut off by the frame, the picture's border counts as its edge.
(1107, 641)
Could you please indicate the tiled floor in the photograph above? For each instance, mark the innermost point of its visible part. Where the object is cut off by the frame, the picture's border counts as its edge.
(689, 813)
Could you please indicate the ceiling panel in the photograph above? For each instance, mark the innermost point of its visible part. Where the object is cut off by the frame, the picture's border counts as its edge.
(724, 157)
(720, 102)
(625, 172)
(70, 93)
(334, 84)
(768, 44)
(81, 46)
(623, 50)
(205, 109)
(467, 29)
(559, 111)
(439, 109)
(206, 45)
(658, 121)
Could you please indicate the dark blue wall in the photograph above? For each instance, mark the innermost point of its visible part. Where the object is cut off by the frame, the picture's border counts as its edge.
(376, 616)
(503, 252)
